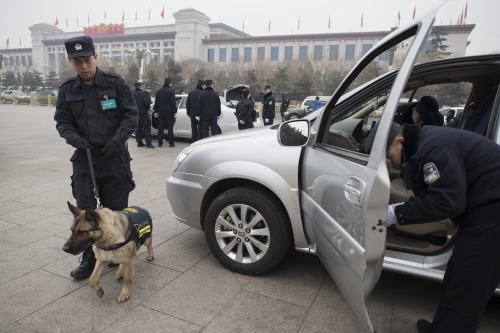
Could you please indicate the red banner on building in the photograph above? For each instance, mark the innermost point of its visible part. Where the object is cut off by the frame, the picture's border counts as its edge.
(104, 29)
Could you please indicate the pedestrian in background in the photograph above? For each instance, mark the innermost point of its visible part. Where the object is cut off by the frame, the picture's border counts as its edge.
(244, 110)
(192, 108)
(269, 106)
(209, 110)
(317, 104)
(285, 102)
(143, 101)
(95, 110)
(167, 109)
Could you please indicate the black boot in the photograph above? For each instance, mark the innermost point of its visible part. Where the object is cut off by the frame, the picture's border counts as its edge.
(84, 270)
(424, 326)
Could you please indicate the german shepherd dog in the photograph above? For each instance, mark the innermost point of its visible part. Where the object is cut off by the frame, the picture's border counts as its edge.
(111, 234)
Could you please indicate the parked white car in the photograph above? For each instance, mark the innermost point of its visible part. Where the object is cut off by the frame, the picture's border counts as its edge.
(182, 128)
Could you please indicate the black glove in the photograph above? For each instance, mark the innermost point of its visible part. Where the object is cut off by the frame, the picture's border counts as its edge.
(81, 143)
(113, 148)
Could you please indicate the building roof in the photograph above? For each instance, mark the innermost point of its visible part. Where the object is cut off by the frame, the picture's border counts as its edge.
(16, 50)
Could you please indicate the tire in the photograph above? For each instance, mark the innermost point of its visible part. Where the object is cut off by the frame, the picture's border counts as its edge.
(278, 238)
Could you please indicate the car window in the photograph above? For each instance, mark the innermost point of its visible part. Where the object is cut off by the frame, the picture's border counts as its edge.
(178, 100)
(350, 121)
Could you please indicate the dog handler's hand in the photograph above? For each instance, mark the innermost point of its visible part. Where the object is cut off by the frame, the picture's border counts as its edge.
(111, 149)
(81, 143)
(391, 214)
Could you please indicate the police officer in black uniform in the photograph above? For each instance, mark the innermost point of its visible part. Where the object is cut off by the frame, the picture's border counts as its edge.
(166, 107)
(454, 174)
(269, 106)
(96, 110)
(192, 108)
(244, 110)
(143, 101)
(209, 110)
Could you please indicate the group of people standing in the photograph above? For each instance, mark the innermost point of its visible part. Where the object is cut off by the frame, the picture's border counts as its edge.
(203, 107)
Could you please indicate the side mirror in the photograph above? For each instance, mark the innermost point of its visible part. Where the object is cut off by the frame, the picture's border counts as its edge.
(294, 133)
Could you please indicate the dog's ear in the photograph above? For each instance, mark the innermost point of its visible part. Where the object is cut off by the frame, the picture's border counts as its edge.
(92, 216)
(74, 210)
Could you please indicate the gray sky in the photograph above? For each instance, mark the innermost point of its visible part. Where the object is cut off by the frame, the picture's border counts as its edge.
(284, 16)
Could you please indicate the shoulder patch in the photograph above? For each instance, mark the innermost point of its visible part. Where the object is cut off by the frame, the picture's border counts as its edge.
(71, 79)
(431, 173)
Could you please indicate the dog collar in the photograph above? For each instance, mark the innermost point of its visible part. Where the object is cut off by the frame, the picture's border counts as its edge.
(130, 237)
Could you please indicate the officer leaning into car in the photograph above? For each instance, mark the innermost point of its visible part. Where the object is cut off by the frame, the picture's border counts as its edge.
(96, 110)
(454, 174)
(209, 110)
(269, 106)
(143, 101)
(244, 110)
(192, 108)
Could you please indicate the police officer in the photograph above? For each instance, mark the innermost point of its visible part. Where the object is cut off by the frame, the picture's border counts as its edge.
(269, 106)
(454, 174)
(192, 108)
(209, 110)
(143, 101)
(166, 107)
(244, 110)
(96, 110)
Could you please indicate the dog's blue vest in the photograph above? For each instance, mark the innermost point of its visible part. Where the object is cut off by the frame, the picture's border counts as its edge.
(140, 224)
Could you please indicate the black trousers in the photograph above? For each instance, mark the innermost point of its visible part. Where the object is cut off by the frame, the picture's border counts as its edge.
(269, 121)
(166, 122)
(194, 129)
(473, 272)
(143, 129)
(246, 126)
(209, 123)
(113, 178)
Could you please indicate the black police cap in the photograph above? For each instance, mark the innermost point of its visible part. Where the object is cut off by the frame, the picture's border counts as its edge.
(201, 82)
(81, 46)
(209, 82)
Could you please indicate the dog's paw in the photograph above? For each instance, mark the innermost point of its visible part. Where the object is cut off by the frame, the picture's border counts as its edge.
(124, 295)
(150, 258)
(99, 292)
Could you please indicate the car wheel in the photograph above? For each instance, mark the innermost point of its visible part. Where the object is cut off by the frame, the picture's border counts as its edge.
(247, 231)
(294, 116)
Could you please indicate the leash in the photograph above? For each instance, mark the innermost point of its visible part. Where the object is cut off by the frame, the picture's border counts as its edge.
(92, 176)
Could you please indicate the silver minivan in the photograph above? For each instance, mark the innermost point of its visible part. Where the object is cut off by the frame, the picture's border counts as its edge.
(310, 184)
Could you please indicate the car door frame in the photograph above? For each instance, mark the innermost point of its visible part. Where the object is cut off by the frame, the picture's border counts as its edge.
(366, 268)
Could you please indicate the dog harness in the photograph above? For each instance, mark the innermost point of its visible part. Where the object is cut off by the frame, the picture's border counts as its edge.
(140, 227)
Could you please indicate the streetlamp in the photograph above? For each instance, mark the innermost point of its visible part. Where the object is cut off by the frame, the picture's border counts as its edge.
(141, 54)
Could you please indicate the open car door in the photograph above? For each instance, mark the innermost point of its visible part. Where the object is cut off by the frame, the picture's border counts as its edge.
(345, 193)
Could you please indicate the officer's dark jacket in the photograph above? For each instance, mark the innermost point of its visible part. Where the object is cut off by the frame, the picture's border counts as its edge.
(76, 119)
(143, 100)
(269, 106)
(467, 177)
(209, 103)
(140, 222)
(244, 110)
(165, 102)
(192, 101)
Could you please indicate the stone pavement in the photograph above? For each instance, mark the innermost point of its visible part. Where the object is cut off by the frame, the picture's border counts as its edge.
(184, 289)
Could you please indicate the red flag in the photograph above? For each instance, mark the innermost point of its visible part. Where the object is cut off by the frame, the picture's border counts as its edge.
(399, 18)
(269, 26)
(361, 20)
(7, 43)
(298, 23)
(163, 13)
(56, 23)
(414, 11)
(329, 21)
(123, 16)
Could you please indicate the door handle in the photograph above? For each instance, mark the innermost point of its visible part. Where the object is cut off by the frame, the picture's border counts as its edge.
(353, 191)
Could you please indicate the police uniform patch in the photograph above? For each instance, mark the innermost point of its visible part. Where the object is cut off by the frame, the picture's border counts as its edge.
(431, 173)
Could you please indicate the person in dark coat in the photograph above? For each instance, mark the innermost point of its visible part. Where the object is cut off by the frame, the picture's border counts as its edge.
(426, 112)
(143, 101)
(166, 107)
(95, 110)
(285, 103)
(192, 108)
(269, 106)
(209, 109)
(454, 174)
(244, 111)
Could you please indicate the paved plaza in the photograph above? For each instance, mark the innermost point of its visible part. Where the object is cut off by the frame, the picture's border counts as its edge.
(184, 289)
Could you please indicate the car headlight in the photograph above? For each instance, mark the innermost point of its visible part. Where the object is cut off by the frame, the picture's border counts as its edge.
(182, 156)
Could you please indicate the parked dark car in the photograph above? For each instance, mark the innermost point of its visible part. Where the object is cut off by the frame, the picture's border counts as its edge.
(299, 113)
